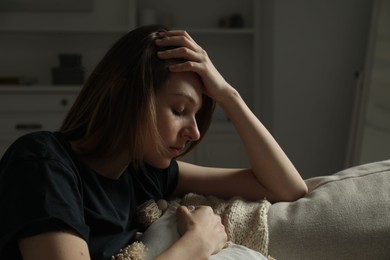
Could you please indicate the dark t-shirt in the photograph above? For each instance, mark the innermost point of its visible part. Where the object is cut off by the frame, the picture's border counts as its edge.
(45, 187)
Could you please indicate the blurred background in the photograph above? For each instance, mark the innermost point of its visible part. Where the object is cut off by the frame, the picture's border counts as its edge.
(315, 72)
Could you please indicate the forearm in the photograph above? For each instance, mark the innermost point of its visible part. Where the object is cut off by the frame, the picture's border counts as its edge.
(62, 245)
(269, 163)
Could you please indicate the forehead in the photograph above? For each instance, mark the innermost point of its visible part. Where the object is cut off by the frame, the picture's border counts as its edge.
(183, 84)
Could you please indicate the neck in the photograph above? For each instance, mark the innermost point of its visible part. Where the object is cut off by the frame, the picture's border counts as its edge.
(111, 167)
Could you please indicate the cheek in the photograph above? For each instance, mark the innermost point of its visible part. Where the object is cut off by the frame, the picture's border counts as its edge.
(166, 125)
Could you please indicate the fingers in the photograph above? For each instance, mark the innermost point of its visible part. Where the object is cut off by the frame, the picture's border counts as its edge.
(177, 38)
(182, 210)
(194, 212)
(195, 59)
(187, 48)
(180, 52)
(191, 213)
(185, 221)
(205, 223)
(215, 223)
(175, 33)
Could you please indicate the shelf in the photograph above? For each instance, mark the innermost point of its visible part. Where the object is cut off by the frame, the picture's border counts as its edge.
(31, 42)
(40, 88)
(63, 30)
(205, 31)
(221, 31)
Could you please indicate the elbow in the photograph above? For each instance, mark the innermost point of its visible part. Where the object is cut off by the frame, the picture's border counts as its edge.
(293, 194)
(297, 193)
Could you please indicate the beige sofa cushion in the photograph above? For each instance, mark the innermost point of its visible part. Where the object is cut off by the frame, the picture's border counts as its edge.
(344, 216)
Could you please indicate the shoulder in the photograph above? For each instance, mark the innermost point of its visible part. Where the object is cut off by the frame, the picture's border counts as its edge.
(38, 154)
(37, 145)
(36, 140)
(41, 189)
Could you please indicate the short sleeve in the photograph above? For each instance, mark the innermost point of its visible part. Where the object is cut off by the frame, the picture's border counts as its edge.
(154, 183)
(172, 179)
(39, 196)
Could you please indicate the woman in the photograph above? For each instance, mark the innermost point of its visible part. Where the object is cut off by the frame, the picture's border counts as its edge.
(73, 194)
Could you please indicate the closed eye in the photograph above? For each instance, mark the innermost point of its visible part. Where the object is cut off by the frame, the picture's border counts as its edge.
(177, 113)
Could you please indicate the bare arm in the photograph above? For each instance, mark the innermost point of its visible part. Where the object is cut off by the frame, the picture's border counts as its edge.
(272, 174)
(202, 235)
(64, 245)
(270, 165)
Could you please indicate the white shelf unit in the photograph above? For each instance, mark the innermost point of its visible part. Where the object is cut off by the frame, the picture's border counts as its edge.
(31, 42)
(28, 109)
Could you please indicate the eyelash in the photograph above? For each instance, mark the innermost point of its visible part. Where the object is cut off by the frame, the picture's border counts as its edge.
(177, 113)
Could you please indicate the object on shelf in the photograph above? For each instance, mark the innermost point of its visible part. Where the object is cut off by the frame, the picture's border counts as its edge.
(70, 71)
(232, 21)
(150, 16)
(147, 17)
(166, 19)
(70, 60)
(45, 5)
(17, 81)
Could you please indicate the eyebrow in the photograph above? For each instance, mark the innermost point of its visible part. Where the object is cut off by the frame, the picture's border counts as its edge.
(184, 95)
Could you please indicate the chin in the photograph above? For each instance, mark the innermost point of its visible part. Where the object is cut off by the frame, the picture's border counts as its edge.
(161, 164)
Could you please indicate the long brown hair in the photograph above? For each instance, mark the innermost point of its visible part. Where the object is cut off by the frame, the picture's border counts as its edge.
(116, 106)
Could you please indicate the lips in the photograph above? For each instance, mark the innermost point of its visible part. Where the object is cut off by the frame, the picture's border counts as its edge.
(176, 150)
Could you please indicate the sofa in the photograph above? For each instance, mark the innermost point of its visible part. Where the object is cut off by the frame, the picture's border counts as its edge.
(344, 216)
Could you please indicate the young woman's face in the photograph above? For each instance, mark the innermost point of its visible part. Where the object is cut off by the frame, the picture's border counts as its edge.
(177, 104)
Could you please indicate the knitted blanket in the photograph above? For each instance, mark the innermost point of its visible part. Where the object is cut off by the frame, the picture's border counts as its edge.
(245, 222)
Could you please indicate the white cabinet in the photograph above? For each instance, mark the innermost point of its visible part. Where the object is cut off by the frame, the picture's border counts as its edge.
(31, 42)
(28, 109)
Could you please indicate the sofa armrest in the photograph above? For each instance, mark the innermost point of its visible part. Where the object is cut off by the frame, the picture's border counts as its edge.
(344, 216)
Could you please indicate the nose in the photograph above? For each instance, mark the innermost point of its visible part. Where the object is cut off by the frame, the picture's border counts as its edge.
(191, 130)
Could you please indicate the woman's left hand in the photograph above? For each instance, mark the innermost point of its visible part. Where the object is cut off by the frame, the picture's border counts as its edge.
(197, 61)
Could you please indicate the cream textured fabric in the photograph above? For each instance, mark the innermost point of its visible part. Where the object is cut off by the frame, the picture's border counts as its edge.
(163, 233)
(250, 228)
(245, 222)
(344, 216)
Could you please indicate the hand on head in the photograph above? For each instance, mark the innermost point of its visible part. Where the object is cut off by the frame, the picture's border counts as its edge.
(197, 61)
